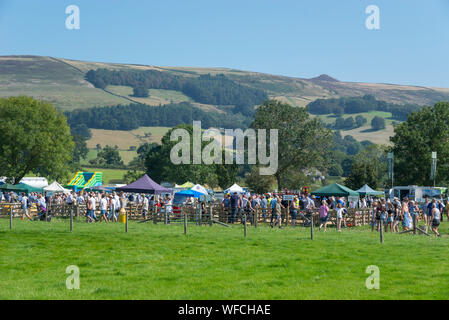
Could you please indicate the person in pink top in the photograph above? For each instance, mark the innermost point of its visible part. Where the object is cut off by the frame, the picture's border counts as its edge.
(324, 209)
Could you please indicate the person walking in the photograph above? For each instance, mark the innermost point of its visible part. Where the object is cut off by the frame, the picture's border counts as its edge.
(435, 219)
(24, 202)
(293, 211)
(112, 209)
(277, 212)
(235, 206)
(103, 207)
(339, 216)
(323, 211)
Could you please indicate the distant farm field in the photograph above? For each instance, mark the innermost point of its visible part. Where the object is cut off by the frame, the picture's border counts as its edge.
(365, 132)
(160, 262)
(125, 139)
(156, 96)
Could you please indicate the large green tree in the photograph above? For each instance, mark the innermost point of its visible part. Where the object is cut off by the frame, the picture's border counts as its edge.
(108, 157)
(259, 183)
(138, 163)
(368, 167)
(303, 142)
(160, 167)
(79, 152)
(378, 123)
(35, 138)
(414, 140)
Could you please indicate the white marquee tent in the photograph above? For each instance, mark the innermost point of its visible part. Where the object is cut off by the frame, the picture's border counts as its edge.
(199, 188)
(234, 188)
(56, 187)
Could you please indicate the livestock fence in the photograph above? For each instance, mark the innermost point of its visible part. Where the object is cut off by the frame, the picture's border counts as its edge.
(193, 214)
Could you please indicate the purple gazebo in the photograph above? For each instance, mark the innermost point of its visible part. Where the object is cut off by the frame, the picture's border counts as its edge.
(144, 185)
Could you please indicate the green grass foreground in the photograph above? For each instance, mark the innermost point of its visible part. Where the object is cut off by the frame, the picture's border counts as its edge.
(160, 262)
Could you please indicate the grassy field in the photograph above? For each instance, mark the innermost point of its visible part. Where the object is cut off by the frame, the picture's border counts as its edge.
(365, 132)
(156, 96)
(125, 139)
(159, 262)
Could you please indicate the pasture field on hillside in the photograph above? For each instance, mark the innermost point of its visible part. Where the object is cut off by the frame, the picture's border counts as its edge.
(125, 139)
(160, 262)
(156, 96)
(365, 132)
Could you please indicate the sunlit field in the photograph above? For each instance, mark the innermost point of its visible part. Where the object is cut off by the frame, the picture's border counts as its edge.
(160, 262)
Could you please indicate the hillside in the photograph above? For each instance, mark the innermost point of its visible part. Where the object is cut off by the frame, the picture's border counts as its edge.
(62, 82)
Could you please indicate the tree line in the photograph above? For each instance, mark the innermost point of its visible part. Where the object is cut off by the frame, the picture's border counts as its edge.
(130, 117)
(366, 103)
(207, 89)
(377, 123)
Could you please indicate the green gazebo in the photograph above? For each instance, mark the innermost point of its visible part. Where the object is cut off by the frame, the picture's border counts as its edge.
(21, 187)
(336, 190)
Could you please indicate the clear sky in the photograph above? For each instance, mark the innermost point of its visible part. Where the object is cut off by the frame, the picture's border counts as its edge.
(288, 37)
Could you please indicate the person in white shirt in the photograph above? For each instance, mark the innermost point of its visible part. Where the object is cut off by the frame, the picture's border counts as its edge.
(340, 210)
(112, 209)
(25, 207)
(91, 206)
(145, 207)
(103, 207)
(117, 202)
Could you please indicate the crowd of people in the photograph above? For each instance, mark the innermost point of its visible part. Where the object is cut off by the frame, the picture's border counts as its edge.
(300, 206)
(391, 214)
(109, 206)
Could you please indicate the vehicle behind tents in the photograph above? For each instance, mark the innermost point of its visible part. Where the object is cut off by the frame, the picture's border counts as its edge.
(416, 193)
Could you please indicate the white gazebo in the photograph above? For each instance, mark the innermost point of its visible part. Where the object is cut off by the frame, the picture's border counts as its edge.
(56, 188)
(199, 188)
(234, 188)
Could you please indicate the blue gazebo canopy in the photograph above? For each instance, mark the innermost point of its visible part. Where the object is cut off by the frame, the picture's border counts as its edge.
(189, 193)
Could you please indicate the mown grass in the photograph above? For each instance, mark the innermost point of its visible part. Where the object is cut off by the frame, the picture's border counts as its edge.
(160, 262)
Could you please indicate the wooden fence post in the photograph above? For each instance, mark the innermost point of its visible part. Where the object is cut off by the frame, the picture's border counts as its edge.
(414, 223)
(210, 215)
(155, 214)
(256, 217)
(126, 220)
(311, 226)
(10, 216)
(71, 218)
(185, 221)
(244, 224)
(381, 231)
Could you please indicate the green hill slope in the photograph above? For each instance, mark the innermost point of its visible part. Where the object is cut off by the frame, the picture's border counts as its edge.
(61, 81)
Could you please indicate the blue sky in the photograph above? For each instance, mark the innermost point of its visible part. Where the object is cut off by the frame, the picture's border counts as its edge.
(294, 38)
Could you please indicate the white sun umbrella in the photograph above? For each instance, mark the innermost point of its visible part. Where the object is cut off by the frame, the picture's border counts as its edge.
(199, 188)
